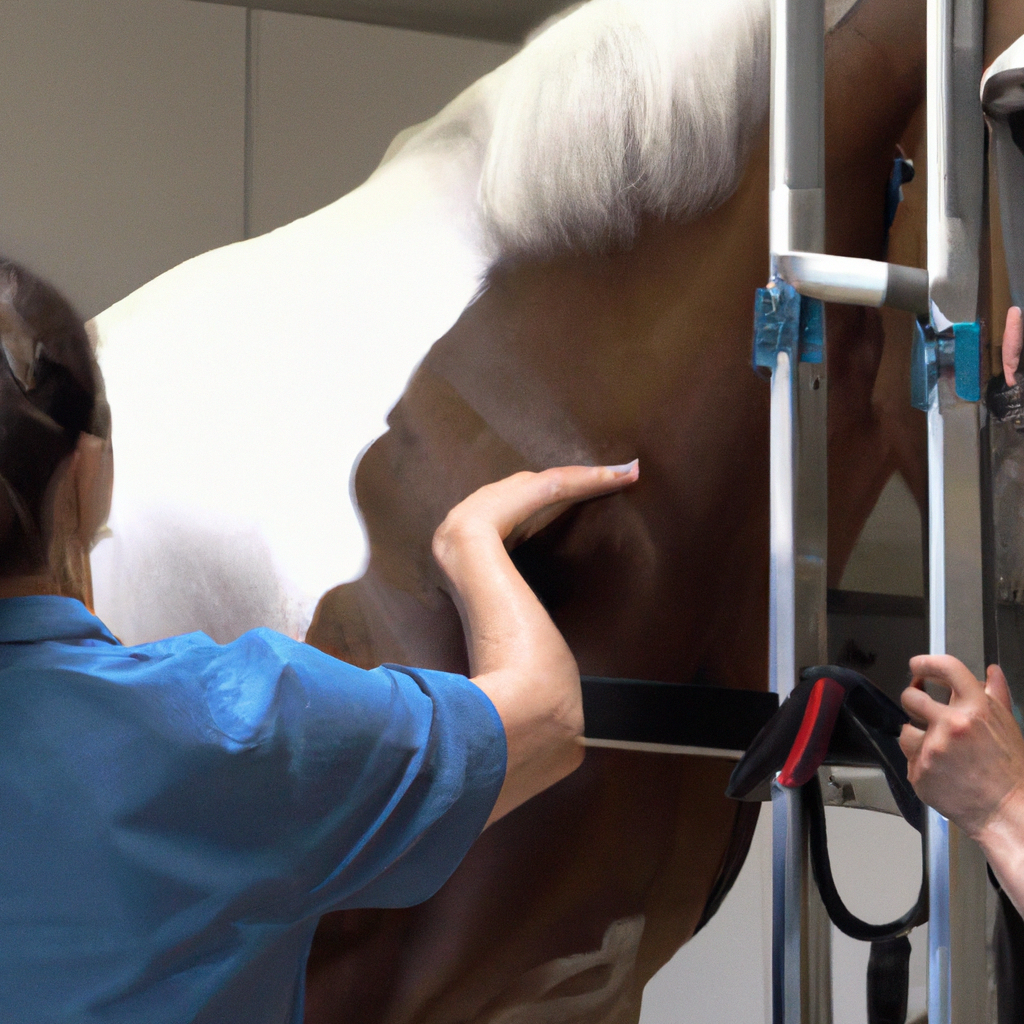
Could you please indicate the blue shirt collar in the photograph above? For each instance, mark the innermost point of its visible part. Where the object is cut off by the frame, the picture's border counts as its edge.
(49, 617)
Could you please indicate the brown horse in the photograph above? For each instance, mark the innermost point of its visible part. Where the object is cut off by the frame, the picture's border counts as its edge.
(565, 909)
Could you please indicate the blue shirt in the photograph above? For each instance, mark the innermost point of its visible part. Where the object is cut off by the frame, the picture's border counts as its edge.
(175, 817)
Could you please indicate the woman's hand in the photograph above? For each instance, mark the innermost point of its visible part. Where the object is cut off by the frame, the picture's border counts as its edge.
(965, 758)
(516, 654)
(523, 504)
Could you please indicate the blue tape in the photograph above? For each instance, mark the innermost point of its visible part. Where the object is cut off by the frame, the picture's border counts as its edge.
(967, 361)
(785, 321)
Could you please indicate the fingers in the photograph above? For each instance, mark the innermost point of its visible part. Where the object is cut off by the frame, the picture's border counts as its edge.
(567, 484)
(562, 487)
(911, 741)
(1013, 342)
(523, 503)
(947, 671)
(997, 687)
(921, 708)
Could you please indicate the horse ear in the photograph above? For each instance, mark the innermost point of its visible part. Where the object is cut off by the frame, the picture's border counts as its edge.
(16, 336)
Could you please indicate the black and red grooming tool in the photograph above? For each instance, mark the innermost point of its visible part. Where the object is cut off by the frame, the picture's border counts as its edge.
(833, 716)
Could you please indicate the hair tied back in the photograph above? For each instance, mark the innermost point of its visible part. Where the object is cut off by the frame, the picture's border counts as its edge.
(16, 337)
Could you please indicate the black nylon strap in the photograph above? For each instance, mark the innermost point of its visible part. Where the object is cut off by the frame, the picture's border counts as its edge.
(1004, 402)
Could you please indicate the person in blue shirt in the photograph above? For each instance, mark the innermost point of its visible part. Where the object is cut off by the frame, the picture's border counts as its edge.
(175, 817)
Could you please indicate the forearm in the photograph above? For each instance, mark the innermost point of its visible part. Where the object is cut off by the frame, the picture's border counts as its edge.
(1002, 841)
(520, 660)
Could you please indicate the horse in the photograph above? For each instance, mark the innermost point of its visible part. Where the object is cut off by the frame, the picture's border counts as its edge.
(559, 267)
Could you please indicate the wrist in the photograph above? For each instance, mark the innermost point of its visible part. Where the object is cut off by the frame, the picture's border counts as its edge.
(1002, 833)
(457, 545)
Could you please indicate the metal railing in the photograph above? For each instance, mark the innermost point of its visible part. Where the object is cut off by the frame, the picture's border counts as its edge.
(947, 292)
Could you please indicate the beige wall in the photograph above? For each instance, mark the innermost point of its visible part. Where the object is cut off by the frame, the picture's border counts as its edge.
(329, 96)
(121, 138)
(122, 131)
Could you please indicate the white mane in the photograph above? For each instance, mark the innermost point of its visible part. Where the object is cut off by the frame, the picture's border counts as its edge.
(616, 110)
(613, 111)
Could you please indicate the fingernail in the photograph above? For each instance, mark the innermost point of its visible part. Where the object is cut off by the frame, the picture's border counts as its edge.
(625, 468)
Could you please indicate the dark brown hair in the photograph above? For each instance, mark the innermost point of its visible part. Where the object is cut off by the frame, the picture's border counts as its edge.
(51, 390)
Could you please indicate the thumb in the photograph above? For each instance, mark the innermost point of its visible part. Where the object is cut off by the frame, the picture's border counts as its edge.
(997, 688)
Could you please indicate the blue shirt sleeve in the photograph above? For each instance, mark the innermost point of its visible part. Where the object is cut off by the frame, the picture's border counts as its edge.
(311, 785)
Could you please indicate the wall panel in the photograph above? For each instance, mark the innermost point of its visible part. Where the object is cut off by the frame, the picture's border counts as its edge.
(329, 96)
(121, 138)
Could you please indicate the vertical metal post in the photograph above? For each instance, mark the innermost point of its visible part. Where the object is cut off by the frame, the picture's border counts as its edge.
(957, 982)
(801, 954)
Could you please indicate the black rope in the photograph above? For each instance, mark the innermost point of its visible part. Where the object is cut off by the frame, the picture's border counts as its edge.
(841, 916)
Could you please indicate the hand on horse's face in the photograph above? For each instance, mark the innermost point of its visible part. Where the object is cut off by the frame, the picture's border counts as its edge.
(1013, 342)
(516, 654)
(965, 759)
(523, 504)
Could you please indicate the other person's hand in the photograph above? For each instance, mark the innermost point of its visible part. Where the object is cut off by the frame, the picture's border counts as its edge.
(965, 759)
(1013, 342)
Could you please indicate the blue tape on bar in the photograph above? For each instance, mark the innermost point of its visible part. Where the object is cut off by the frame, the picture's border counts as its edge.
(776, 323)
(785, 321)
(967, 361)
(924, 368)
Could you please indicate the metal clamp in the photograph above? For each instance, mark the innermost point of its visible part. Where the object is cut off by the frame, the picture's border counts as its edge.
(786, 321)
(956, 349)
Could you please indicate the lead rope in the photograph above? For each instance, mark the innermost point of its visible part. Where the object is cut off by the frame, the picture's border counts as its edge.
(888, 977)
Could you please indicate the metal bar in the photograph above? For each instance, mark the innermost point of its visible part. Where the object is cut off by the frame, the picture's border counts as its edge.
(801, 953)
(957, 968)
(855, 281)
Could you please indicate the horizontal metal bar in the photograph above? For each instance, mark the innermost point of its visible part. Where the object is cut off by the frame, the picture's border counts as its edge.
(854, 281)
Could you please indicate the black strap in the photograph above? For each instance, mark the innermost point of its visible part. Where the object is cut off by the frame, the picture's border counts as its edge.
(840, 915)
(674, 714)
